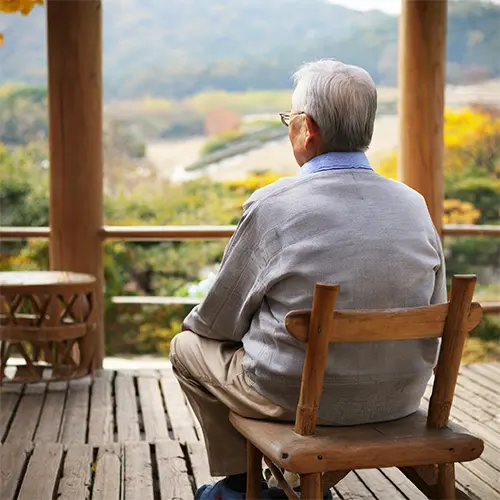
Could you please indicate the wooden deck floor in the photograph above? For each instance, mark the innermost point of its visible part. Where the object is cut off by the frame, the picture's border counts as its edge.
(129, 435)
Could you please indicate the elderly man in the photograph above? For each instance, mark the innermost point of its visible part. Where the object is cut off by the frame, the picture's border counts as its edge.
(337, 221)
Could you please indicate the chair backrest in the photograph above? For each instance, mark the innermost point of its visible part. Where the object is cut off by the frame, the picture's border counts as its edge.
(322, 325)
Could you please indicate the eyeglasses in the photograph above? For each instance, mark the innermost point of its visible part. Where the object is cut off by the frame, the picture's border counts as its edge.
(286, 117)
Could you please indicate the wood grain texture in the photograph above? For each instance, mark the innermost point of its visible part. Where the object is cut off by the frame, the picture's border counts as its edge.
(372, 326)
(13, 458)
(127, 419)
(180, 415)
(42, 473)
(172, 471)
(108, 472)
(76, 475)
(49, 428)
(254, 471)
(26, 419)
(450, 354)
(310, 486)
(153, 413)
(403, 442)
(379, 484)
(199, 463)
(10, 397)
(101, 409)
(406, 487)
(320, 329)
(422, 78)
(138, 474)
(352, 488)
(74, 429)
(74, 47)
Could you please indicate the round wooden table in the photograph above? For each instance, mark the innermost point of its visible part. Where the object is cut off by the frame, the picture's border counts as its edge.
(47, 325)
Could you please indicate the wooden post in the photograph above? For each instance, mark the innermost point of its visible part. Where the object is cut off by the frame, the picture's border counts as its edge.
(75, 117)
(422, 79)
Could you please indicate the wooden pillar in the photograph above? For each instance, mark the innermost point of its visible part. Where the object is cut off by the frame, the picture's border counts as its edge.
(422, 68)
(75, 117)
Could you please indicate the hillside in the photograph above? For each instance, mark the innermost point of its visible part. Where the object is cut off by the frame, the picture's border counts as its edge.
(178, 47)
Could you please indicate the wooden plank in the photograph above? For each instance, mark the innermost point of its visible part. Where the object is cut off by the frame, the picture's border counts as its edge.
(108, 471)
(379, 485)
(484, 406)
(473, 486)
(485, 370)
(74, 428)
(50, 421)
(127, 417)
(76, 476)
(479, 378)
(13, 458)
(42, 474)
(10, 396)
(153, 414)
(403, 484)
(485, 472)
(494, 367)
(138, 482)
(390, 324)
(172, 471)
(26, 419)
(199, 464)
(181, 418)
(472, 407)
(351, 488)
(101, 409)
(491, 453)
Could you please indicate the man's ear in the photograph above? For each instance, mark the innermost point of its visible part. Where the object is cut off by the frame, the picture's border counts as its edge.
(313, 137)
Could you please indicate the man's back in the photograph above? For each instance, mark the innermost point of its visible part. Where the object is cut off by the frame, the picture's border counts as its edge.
(373, 237)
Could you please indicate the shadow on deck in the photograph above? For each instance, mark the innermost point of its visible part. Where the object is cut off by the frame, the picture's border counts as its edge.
(129, 434)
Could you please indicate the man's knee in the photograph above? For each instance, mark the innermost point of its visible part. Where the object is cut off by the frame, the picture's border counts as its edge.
(180, 347)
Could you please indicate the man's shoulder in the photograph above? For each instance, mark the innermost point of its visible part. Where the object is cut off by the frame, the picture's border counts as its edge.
(270, 191)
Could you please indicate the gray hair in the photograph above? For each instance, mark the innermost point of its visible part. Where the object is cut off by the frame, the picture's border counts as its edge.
(341, 99)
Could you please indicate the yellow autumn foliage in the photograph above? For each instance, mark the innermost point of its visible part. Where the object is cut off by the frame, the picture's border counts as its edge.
(388, 166)
(247, 186)
(460, 212)
(22, 6)
(467, 133)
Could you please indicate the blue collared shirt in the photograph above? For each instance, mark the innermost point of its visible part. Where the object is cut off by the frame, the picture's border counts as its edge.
(335, 161)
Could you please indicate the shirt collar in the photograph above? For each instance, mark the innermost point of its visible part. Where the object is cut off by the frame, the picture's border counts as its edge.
(335, 161)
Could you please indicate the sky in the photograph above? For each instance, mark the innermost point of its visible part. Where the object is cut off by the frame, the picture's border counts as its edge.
(389, 6)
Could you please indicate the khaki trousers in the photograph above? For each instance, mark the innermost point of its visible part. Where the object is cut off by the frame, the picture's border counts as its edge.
(211, 375)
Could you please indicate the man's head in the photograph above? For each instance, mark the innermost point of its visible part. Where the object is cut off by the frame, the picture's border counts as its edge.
(333, 109)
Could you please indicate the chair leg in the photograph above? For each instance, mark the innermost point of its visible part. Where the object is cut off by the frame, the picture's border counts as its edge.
(254, 472)
(310, 487)
(446, 482)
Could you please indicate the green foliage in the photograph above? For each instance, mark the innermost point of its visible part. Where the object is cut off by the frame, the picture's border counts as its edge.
(181, 47)
(23, 114)
(477, 187)
(488, 329)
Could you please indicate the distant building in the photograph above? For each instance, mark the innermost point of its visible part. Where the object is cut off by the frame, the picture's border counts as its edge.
(220, 120)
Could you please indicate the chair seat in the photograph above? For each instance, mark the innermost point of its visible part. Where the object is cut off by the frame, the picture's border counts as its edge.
(403, 442)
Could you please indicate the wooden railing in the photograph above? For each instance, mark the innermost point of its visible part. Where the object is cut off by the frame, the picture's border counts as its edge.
(181, 233)
(185, 233)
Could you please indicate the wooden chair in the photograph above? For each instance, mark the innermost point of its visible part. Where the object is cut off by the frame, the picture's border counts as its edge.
(423, 446)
